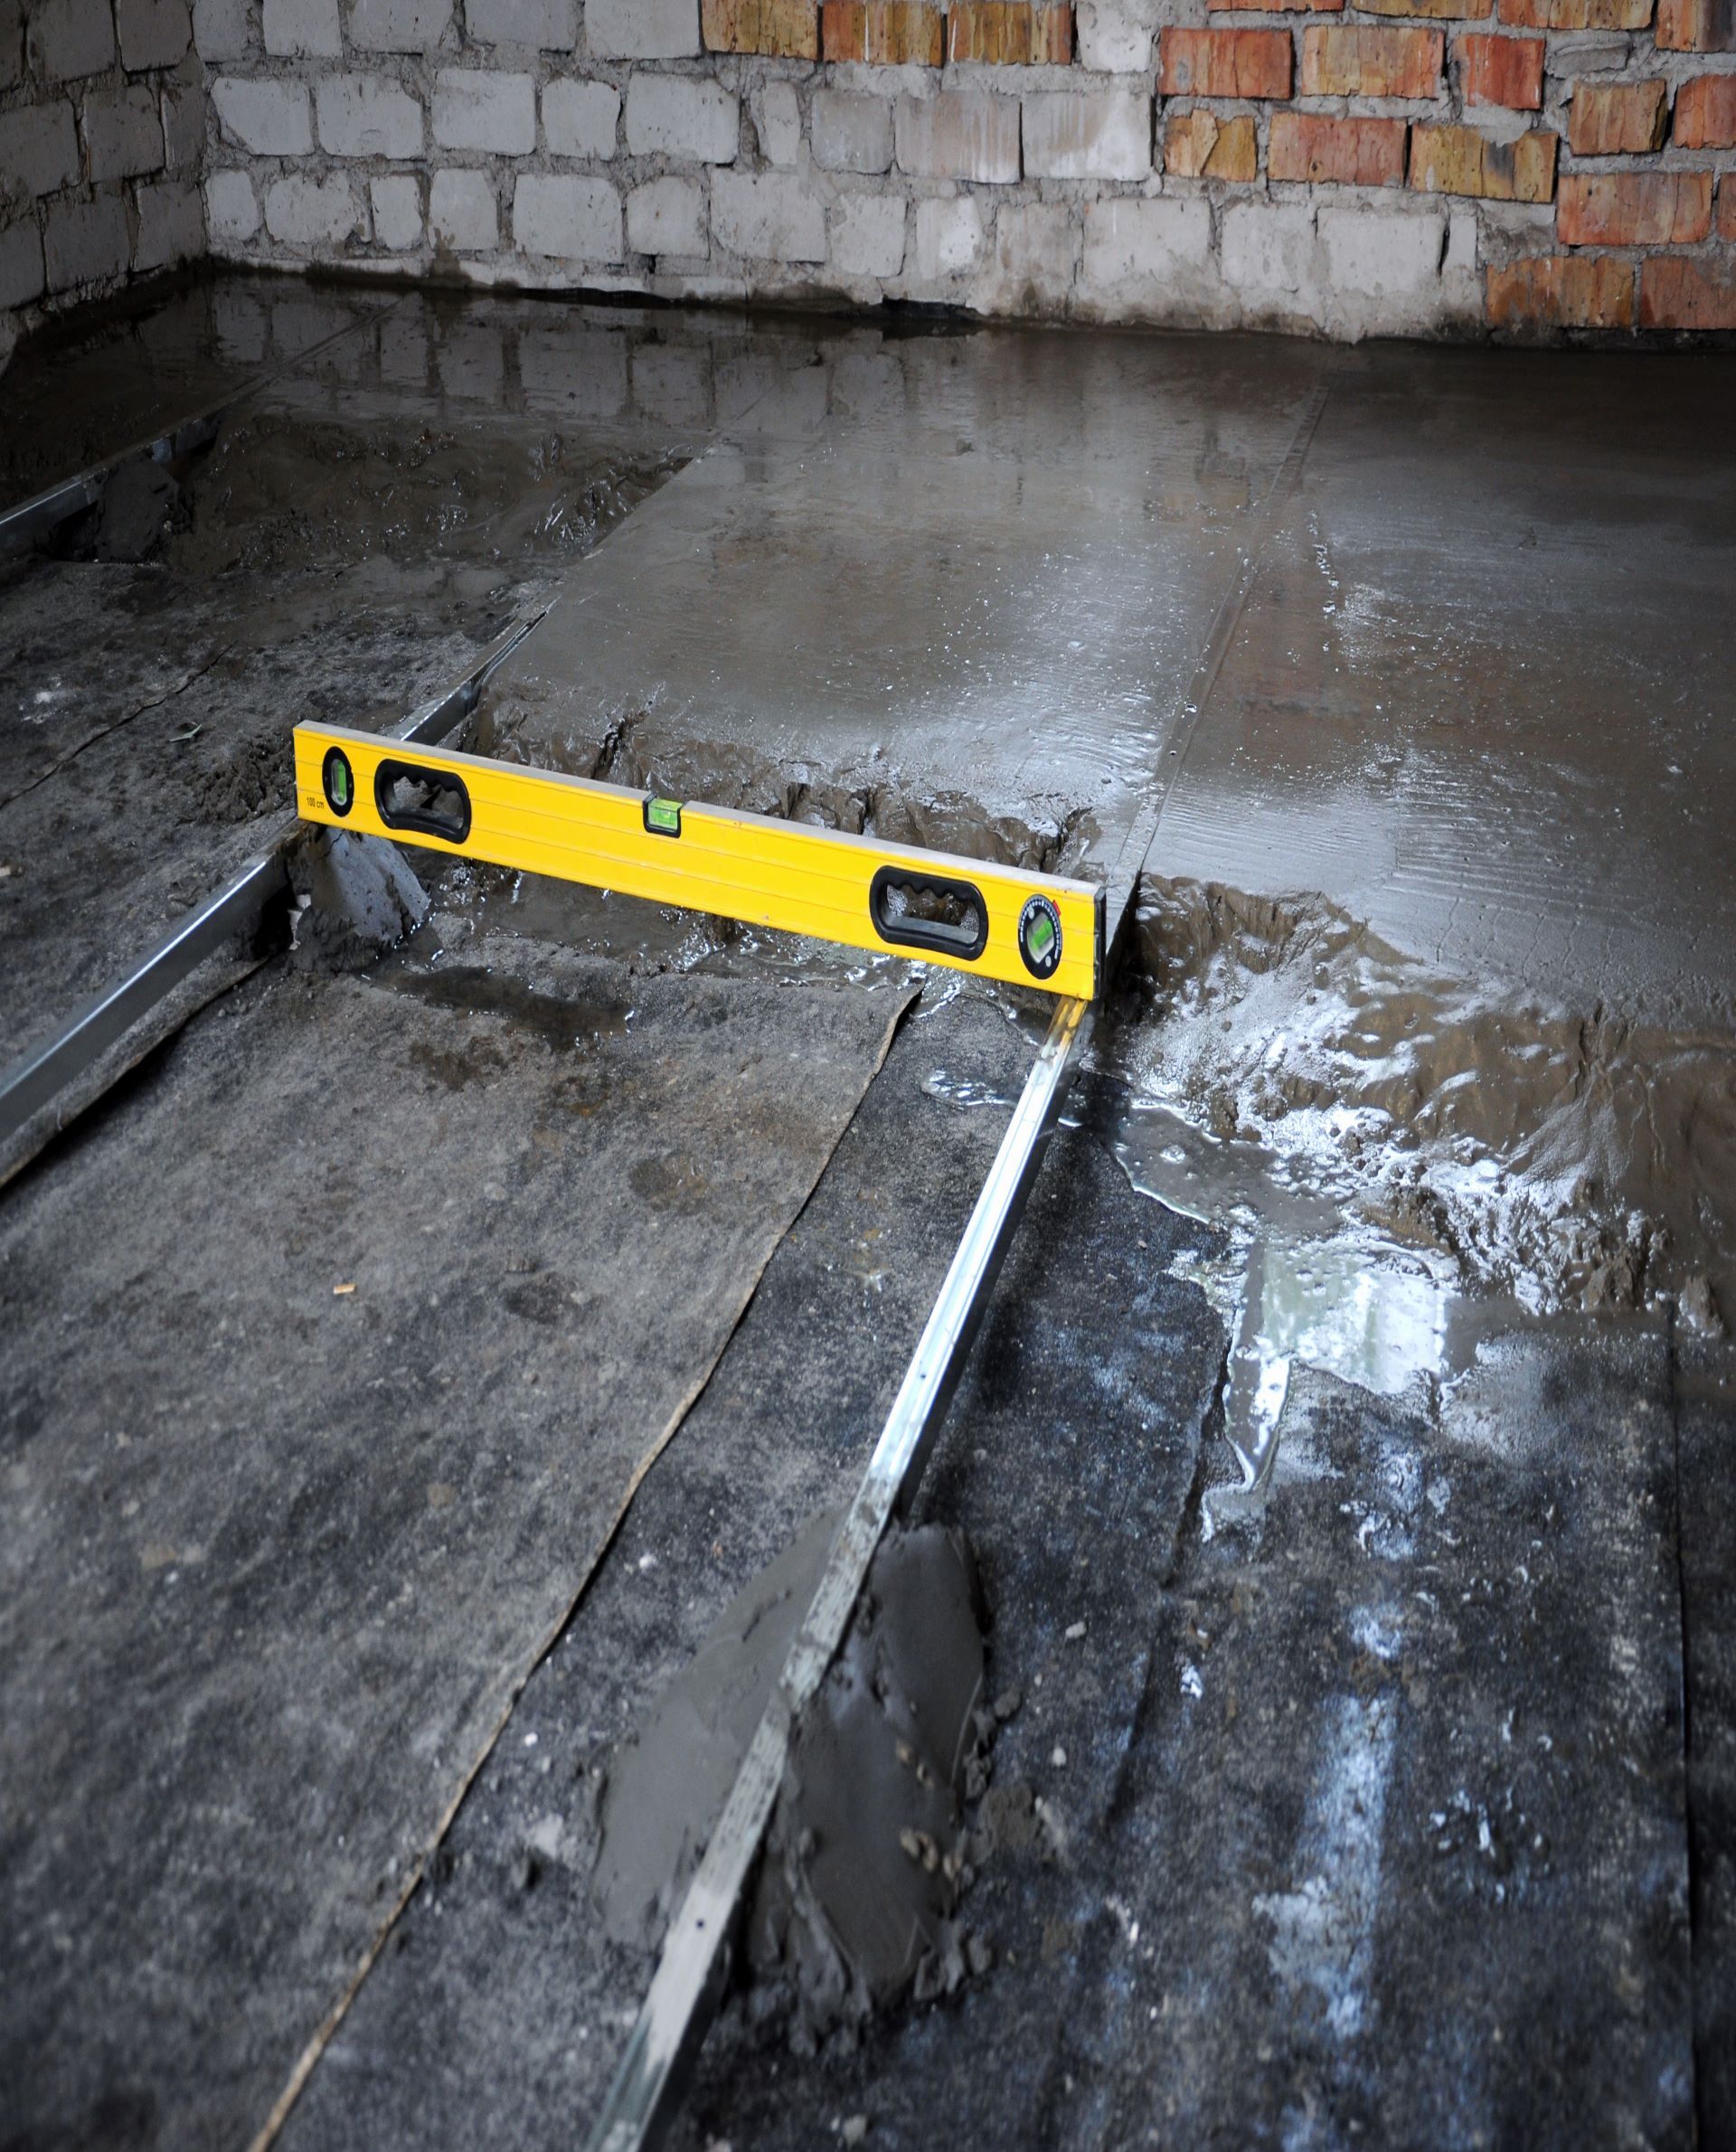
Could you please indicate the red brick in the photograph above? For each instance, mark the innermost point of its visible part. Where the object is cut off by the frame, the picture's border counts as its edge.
(1705, 114)
(1501, 70)
(1351, 61)
(1455, 11)
(1225, 63)
(1198, 144)
(1459, 160)
(1677, 293)
(1726, 207)
(884, 33)
(1010, 32)
(1051, 36)
(1356, 153)
(1696, 25)
(1561, 292)
(1614, 118)
(787, 29)
(1576, 14)
(1634, 209)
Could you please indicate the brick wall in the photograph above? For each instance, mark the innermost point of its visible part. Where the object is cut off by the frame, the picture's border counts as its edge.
(102, 141)
(1349, 166)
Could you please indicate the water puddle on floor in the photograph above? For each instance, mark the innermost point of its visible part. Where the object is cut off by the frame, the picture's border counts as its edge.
(1300, 1284)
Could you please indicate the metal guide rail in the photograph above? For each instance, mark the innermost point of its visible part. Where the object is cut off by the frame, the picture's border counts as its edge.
(694, 1964)
(49, 1073)
(1028, 928)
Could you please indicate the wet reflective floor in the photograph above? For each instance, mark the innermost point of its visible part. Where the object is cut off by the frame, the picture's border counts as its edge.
(1396, 1216)
(1480, 693)
(964, 571)
(91, 388)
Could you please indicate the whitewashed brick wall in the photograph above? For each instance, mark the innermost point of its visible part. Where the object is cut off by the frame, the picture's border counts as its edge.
(1189, 163)
(102, 137)
(595, 144)
(1338, 166)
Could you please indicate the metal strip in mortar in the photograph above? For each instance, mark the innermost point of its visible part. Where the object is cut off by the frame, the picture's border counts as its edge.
(673, 2022)
(237, 911)
(652, 2076)
(28, 520)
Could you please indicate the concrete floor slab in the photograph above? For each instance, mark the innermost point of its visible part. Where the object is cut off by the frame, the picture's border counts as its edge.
(321, 1391)
(997, 560)
(1480, 695)
(986, 581)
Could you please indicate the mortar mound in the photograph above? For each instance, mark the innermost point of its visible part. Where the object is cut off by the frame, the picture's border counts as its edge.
(857, 1896)
(1575, 1157)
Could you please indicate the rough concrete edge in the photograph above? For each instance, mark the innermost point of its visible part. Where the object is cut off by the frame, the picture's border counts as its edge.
(309, 2058)
(207, 982)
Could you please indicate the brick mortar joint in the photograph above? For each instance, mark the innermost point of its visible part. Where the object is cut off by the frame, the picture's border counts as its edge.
(1496, 224)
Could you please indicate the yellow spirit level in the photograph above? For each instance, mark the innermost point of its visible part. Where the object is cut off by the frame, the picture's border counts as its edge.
(1032, 930)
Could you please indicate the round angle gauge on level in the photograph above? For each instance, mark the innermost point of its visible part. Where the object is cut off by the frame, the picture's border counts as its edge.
(339, 781)
(1040, 936)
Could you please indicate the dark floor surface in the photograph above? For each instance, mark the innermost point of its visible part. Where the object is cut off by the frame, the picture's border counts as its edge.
(1397, 1809)
(366, 523)
(295, 1494)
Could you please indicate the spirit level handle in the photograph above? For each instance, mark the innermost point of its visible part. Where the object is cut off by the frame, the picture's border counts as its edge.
(416, 796)
(967, 937)
(1006, 922)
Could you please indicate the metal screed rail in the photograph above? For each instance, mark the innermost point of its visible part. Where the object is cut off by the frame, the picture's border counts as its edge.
(672, 2024)
(48, 1073)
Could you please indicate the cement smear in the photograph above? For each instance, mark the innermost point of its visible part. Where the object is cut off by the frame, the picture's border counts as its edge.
(668, 1782)
(1474, 1134)
(472, 901)
(866, 1856)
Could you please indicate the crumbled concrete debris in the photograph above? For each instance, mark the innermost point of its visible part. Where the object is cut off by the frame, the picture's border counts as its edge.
(1571, 1157)
(356, 896)
(725, 773)
(867, 1853)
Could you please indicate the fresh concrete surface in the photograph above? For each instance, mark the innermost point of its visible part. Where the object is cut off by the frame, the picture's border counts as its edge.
(1466, 703)
(1364, 1803)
